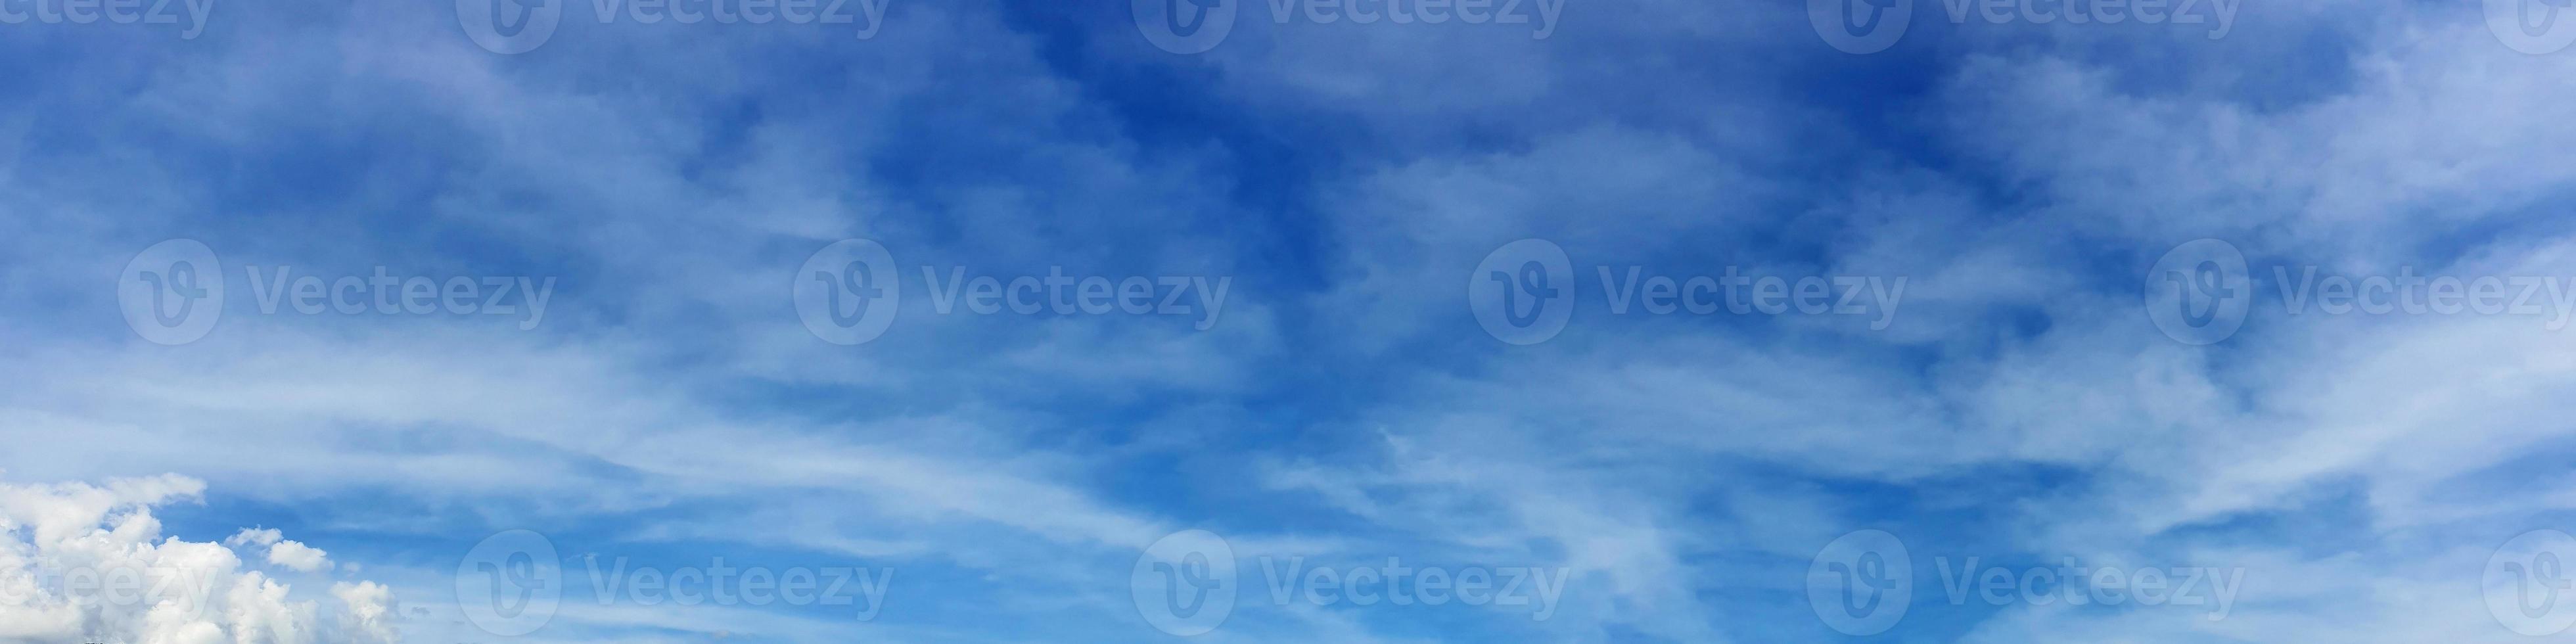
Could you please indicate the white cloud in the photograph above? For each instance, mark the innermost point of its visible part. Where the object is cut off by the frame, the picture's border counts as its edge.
(89, 563)
(292, 555)
(1607, 453)
(254, 536)
(299, 557)
(371, 612)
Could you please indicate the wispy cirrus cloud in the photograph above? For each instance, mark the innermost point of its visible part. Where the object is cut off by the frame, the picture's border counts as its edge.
(1344, 180)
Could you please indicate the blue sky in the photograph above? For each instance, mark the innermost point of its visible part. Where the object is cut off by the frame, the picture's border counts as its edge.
(650, 221)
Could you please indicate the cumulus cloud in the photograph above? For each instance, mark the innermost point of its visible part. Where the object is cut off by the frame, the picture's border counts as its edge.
(299, 557)
(371, 612)
(82, 562)
(292, 555)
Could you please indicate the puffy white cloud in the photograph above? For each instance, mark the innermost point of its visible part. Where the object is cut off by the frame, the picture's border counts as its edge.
(89, 563)
(292, 555)
(299, 557)
(371, 612)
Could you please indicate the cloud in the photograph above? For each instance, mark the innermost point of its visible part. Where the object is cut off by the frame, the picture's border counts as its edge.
(298, 557)
(290, 554)
(90, 563)
(1346, 406)
(372, 612)
(254, 537)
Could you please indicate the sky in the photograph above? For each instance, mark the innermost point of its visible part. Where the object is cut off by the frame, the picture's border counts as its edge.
(1241, 321)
